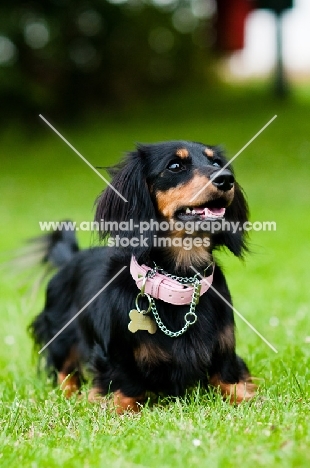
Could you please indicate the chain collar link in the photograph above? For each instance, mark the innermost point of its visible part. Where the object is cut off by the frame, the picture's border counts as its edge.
(181, 279)
(190, 317)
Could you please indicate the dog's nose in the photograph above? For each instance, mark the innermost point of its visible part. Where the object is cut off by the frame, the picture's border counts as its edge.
(224, 180)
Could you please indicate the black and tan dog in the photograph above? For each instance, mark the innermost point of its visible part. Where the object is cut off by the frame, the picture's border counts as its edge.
(185, 334)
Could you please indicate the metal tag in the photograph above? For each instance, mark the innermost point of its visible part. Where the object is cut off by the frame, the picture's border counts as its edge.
(141, 321)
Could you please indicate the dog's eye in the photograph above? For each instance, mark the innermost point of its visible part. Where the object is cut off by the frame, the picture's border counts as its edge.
(216, 164)
(175, 166)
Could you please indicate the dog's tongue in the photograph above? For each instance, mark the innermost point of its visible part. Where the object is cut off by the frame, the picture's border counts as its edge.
(199, 211)
(210, 212)
(215, 211)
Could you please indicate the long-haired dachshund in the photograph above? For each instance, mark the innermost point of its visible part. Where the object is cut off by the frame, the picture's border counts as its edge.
(149, 311)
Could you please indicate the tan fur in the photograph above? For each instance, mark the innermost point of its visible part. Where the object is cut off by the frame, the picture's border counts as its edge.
(148, 353)
(69, 384)
(209, 152)
(68, 380)
(176, 197)
(118, 401)
(95, 395)
(169, 201)
(237, 392)
(196, 256)
(226, 338)
(182, 153)
(124, 403)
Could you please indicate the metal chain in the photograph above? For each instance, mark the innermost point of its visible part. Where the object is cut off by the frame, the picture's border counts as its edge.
(195, 299)
(190, 313)
(180, 279)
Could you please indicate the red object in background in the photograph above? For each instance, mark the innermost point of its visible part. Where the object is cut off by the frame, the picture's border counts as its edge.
(230, 24)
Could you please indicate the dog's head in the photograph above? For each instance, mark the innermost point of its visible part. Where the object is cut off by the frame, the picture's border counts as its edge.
(176, 182)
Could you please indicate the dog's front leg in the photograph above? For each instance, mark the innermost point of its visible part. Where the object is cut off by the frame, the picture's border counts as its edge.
(232, 377)
(116, 384)
(120, 402)
(124, 403)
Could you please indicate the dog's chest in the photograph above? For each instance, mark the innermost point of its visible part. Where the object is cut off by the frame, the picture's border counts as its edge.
(151, 356)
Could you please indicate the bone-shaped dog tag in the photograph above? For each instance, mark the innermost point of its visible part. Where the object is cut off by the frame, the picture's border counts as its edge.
(141, 321)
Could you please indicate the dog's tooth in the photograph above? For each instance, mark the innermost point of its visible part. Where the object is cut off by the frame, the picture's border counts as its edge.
(188, 211)
(193, 212)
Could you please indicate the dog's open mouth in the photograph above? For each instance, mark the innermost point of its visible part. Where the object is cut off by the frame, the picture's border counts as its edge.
(211, 210)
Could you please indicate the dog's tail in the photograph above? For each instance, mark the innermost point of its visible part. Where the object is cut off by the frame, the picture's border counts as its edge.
(60, 246)
(52, 250)
(56, 247)
(42, 254)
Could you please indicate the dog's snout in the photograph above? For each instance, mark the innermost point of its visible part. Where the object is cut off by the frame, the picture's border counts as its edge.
(223, 180)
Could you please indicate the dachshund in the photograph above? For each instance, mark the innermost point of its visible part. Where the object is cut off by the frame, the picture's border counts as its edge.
(148, 310)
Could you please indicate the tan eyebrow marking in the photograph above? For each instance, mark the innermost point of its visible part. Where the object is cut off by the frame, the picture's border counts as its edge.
(209, 152)
(182, 153)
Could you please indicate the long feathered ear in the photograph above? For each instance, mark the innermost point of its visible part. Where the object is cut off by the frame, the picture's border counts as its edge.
(123, 221)
(237, 212)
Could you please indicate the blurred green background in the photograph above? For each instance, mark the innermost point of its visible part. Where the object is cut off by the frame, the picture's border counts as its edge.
(108, 75)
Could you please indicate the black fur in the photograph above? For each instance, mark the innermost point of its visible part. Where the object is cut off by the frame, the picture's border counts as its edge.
(132, 363)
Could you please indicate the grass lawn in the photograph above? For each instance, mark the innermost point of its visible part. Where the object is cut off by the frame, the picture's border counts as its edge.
(42, 179)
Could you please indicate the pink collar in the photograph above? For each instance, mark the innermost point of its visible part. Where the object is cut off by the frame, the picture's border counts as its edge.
(164, 288)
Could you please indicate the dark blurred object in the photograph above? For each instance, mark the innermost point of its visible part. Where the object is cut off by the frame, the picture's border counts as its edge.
(277, 6)
(230, 24)
(65, 56)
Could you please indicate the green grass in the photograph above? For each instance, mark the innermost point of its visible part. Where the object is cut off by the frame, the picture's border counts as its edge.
(42, 179)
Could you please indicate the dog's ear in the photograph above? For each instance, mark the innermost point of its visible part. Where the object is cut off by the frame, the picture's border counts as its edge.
(236, 215)
(125, 219)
